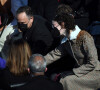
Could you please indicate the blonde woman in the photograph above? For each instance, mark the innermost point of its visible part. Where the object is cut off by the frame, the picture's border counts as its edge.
(16, 73)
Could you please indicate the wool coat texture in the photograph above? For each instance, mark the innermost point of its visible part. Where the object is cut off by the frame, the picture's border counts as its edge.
(87, 69)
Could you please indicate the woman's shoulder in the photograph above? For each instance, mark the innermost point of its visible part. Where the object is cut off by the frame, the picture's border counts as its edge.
(83, 35)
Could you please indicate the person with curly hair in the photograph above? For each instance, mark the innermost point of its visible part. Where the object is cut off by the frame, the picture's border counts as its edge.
(80, 45)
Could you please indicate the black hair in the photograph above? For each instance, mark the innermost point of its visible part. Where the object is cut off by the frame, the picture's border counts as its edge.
(25, 9)
(4, 19)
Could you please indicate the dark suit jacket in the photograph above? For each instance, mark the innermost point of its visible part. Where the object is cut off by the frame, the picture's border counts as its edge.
(41, 83)
(86, 54)
(39, 36)
(8, 80)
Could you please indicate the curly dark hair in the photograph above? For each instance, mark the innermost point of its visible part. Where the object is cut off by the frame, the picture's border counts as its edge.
(69, 22)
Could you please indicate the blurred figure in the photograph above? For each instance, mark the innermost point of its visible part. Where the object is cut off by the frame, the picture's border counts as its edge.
(85, 11)
(2, 63)
(80, 12)
(6, 29)
(44, 8)
(5, 9)
(15, 4)
(5, 32)
(16, 74)
(37, 68)
(93, 8)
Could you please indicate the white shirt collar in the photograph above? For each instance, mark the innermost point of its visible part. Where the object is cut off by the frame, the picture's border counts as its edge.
(74, 33)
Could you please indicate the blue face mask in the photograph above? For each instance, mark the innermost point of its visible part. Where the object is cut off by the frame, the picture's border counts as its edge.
(22, 27)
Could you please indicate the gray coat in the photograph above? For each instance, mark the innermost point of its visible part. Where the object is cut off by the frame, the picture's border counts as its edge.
(87, 71)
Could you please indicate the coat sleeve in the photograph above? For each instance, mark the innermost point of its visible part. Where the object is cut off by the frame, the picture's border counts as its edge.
(91, 56)
(2, 63)
(55, 54)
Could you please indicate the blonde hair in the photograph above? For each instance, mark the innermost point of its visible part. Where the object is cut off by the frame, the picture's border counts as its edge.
(18, 57)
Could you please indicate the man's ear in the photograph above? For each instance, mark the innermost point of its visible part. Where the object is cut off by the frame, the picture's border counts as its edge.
(28, 70)
(31, 19)
(72, 15)
(46, 69)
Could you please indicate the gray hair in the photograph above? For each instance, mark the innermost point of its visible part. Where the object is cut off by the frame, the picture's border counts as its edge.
(37, 63)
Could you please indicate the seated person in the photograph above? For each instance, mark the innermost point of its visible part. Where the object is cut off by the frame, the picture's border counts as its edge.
(80, 45)
(37, 68)
(16, 74)
(35, 30)
(15, 4)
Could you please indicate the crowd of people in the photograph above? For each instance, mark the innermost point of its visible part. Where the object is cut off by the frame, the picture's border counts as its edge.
(49, 45)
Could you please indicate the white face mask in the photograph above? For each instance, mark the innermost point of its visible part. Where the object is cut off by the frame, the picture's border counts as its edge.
(73, 34)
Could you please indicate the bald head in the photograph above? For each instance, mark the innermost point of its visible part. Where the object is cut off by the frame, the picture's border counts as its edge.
(37, 63)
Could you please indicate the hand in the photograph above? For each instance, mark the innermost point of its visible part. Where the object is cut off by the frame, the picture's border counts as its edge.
(63, 31)
(60, 29)
(56, 25)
